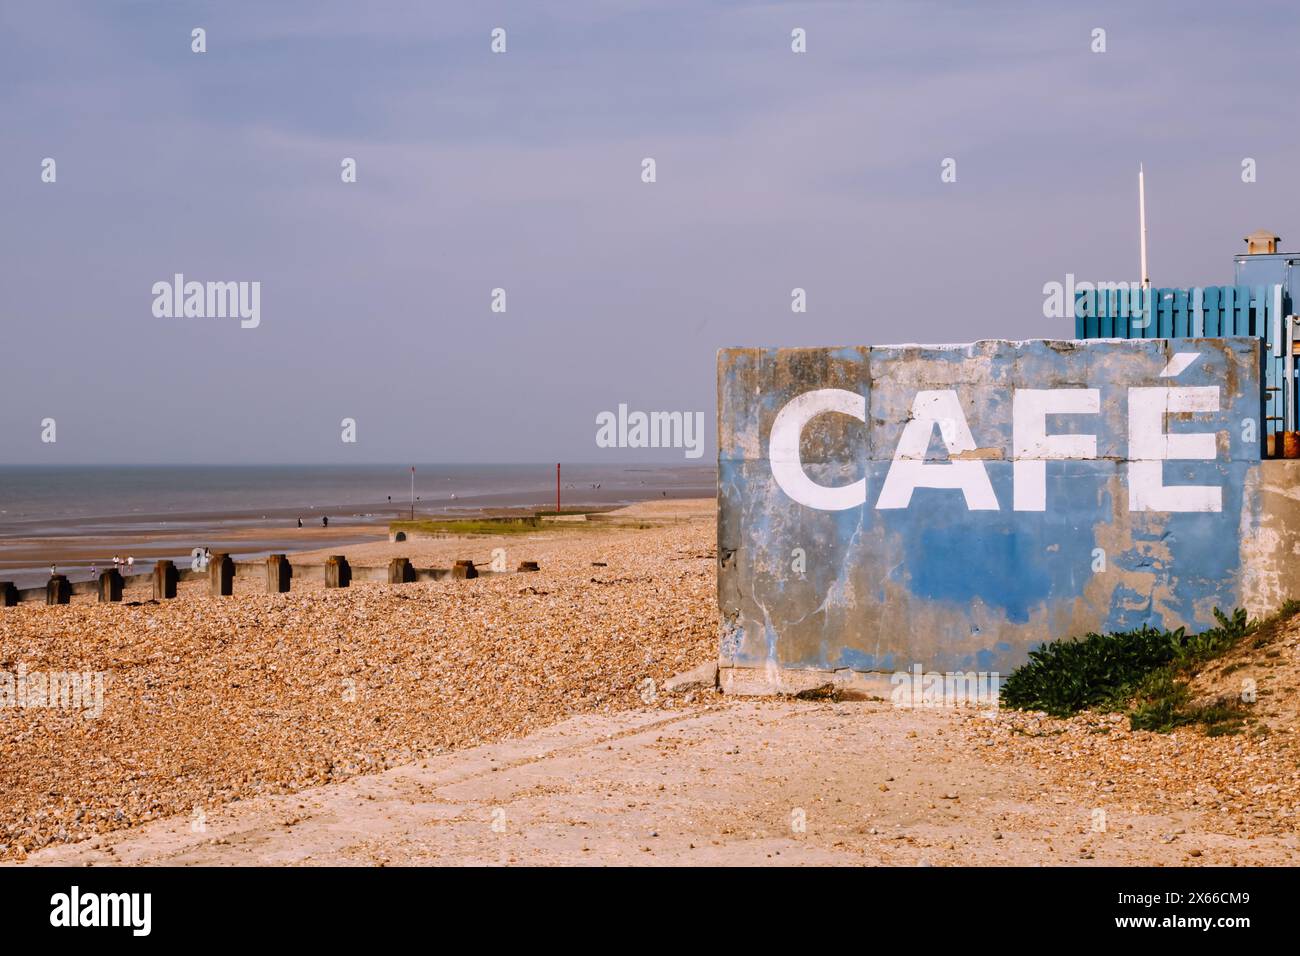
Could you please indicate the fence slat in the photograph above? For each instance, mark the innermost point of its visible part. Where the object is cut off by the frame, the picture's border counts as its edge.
(1242, 298)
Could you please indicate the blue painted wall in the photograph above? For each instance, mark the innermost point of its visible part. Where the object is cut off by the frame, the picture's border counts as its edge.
(878, 589)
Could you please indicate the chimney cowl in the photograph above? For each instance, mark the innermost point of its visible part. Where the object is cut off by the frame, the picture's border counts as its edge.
(1262, 242)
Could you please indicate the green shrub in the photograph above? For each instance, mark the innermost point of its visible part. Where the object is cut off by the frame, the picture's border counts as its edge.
(1067, 676)
(1146, 668)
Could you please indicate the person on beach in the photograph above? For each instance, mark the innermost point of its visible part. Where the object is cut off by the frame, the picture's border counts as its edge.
(130, 564)
(93, 573)
(325, 521)
(53, 570)
(299, 522)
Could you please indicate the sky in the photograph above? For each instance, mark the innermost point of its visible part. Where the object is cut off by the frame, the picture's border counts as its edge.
(522, 171)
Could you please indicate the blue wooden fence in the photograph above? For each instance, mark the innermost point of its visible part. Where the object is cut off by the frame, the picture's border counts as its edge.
(1211, 312)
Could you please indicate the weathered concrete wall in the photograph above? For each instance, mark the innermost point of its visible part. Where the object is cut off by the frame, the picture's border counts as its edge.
(955, 506)
(1271, 549)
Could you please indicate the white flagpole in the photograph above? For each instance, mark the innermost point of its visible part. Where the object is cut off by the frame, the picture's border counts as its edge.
(1142, 225)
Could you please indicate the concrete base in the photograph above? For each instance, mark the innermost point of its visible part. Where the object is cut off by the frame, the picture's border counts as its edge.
(775, 682)
(904, 690)
(702, 678)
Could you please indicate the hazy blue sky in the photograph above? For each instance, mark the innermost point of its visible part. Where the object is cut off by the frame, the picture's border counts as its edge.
(522, 171)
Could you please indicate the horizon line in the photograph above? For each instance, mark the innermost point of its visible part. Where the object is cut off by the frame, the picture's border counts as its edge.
(336, 464)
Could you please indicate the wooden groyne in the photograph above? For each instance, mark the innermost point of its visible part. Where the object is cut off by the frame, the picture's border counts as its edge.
(221, 570)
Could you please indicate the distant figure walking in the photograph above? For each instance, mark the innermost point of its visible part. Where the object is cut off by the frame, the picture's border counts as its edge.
(93, 573)
(53, 570)
(130, 563)
(299, 522)
(325, 521)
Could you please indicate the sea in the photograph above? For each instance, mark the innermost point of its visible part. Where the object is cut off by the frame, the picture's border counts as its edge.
(75, 511)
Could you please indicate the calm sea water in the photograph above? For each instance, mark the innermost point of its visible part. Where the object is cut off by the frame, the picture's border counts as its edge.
(38, 501)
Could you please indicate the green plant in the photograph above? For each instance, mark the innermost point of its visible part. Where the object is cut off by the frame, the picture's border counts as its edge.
(1197, 648)
(1144, 671)
(1159, 703)
(1067, 676)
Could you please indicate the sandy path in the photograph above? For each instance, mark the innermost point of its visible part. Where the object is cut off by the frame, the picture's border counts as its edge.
(719, 783)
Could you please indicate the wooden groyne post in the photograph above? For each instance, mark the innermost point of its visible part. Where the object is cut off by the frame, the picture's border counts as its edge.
(338, 573)
(110, 586)
(221, 575)
(58, 590)
(164, 580)
(400, 571)
(279, 572)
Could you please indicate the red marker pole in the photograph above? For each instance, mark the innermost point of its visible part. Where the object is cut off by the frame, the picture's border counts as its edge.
(557, 487)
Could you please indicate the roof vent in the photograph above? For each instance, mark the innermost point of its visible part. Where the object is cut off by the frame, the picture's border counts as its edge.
(1261, 242)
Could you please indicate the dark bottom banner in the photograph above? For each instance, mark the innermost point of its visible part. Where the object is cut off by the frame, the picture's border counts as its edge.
(337, 906)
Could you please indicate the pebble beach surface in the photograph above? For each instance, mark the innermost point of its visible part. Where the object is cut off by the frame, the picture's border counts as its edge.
(213, 707)
(1245, 784)
(211, 700)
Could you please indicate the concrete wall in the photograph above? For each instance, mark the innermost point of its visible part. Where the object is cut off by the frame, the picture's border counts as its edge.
(1271, 547)
(955, 506)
